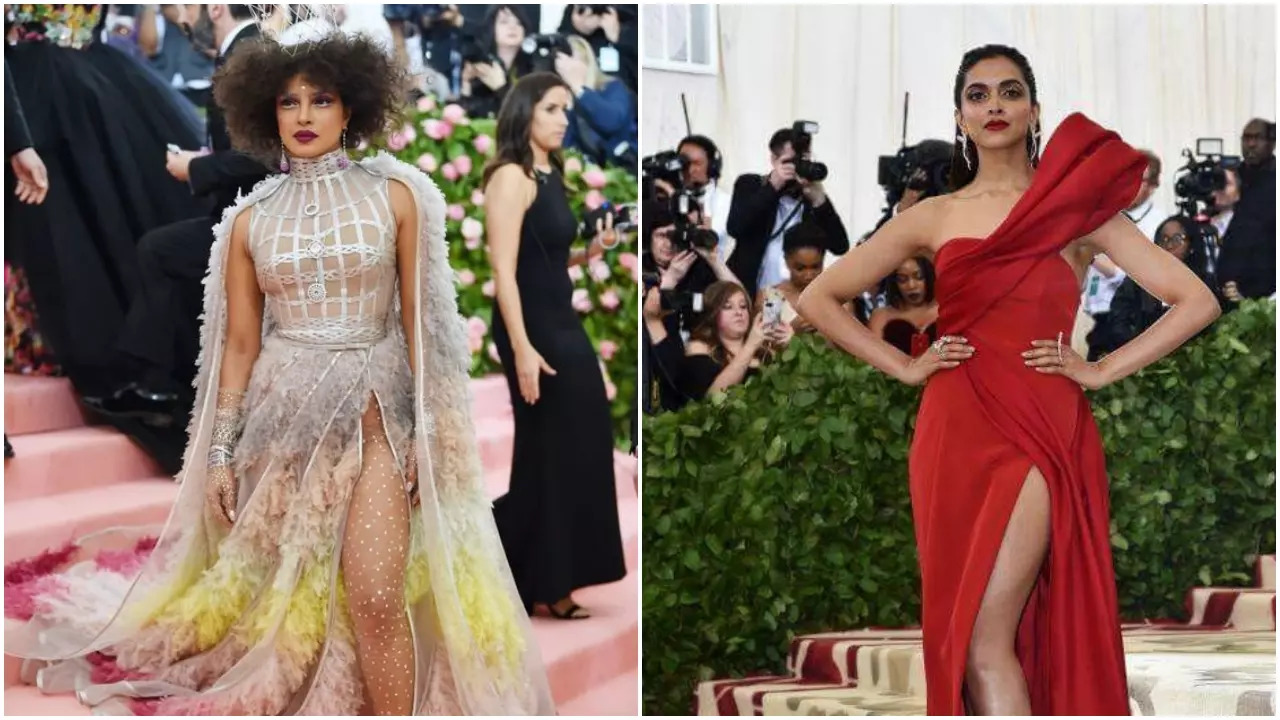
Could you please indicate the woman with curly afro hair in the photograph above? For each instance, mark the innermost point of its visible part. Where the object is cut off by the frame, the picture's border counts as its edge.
(332, 550)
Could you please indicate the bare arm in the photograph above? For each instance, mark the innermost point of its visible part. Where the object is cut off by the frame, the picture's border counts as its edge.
(822, 303)
(879, 318)
(406, 212)
(1192, 305)
(244, 311)
(1105, 266)
(508, 197)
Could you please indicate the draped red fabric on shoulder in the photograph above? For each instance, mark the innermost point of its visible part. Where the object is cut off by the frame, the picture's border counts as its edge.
(983, 426)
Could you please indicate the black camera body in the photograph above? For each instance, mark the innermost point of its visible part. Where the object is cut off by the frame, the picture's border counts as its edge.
(802, 132)
(667, 166)
(624, 219)
(1204, 173)
(542, 49)
(688, 235)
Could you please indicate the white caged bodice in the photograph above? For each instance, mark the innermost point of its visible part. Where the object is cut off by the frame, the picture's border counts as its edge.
(324, 246)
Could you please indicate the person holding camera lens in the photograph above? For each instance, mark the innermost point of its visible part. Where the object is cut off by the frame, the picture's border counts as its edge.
(559, 520)
(603, 123)
(765, 206)
(1007, 471)
(1247, 262)
(486, 79)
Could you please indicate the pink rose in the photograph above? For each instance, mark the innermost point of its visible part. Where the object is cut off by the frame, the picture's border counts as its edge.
(466, 278)
(472, 229)
(572, 165)
(594, 178)
(575, 273)
(631, 262)
(456, 212)
(397, 142)
(428, 163)
(449, 171)
(426, 103)
(609, 300)
(472, 243)
(436, 130)
(475, 344)
(600, 271)
(483, 144)
(488, 289)
(453, 113)
(608, 349)
(582, 301)
(593, 200)
(477, 197)
(610, 390)
(493, 353)
(463, 163)
(476, 327)
(409, 133)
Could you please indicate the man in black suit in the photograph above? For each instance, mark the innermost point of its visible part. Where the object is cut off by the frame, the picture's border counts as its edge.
(1247, 262)
(160, 340)
(765, 206)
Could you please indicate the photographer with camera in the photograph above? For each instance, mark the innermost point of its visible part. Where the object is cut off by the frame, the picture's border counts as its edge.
(443, 33)
(613, 33)
(764, 207)
(602, 124)
(492, 64)
(1247, 262)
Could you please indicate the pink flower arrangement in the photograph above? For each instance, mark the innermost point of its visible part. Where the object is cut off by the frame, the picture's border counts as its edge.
(631, 262)
(449, 172)
(572, 165)
(593, 200)
(600, 270)
(397, 142)
(466, 278)
(472, 229)
(463, 163)
(609, 300)
(489, 289)
(595, 178)
(608, 349)
(428, 163)
(610, 390)
(437, 130)
(456, 212)
(409, 133)
(493, 354)
(472, 243)
(575, 273)
(453, 113)
(483, 144)
(582, 301)
(477, 197)
(426, 103)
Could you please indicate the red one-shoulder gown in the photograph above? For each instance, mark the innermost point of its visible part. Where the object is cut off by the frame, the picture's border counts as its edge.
(984, 425)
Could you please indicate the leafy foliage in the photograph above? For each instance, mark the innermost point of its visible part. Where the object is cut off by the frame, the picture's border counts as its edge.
(781, 508)
(453, 149)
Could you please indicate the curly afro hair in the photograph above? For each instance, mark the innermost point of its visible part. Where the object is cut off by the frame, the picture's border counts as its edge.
(370, 84)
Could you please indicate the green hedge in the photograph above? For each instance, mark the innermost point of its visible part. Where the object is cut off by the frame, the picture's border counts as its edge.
(782, 507)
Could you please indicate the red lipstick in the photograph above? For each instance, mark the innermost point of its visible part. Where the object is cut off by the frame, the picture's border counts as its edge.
(996, 125)
(305, 136)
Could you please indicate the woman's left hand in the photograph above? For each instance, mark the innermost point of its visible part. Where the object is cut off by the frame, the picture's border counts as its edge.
(606, 237)
(1054, 357)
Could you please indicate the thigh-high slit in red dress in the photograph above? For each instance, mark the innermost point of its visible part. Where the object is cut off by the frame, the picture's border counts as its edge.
(984, 425)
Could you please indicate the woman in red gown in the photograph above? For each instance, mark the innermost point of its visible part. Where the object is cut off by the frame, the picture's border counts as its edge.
(1008, 480)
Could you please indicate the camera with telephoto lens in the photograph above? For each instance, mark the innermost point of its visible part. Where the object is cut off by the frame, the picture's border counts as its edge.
(1204, 173)
(922, 167)
(802, 132)
(687, 234)
(667, 166)
(542, 49)
(624, 219)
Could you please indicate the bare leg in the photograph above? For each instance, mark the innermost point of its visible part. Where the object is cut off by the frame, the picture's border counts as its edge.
(994, 681)
(374, 555)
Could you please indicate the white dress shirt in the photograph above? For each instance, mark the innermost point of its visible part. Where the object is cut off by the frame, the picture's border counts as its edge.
(773, 268)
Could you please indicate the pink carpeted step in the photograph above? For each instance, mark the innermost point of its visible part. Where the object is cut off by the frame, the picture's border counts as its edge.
(581, 655)
(490, 397)
(34, 404)
(496, 439)
(53, 463)
(619, 696)
(34, 525)
(498, 479)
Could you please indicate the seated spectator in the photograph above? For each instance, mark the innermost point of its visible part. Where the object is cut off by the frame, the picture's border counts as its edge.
(908, 321)
(484, 85)
(603, 123)
(1133, 309)
(614, 37)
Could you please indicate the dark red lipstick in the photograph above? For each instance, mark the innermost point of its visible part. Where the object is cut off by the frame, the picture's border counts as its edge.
(305, 136)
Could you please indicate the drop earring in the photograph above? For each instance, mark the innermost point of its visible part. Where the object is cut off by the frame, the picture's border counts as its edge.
(343, 162)
(284, 159)
(964, 149)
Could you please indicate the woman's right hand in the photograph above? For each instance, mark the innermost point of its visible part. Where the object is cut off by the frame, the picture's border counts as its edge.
(756, 337)
(492, 75)
(947, 353)
(529, 368)
(220, 494)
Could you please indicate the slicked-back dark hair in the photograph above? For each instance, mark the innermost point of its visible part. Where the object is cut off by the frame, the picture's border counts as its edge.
(961, 174)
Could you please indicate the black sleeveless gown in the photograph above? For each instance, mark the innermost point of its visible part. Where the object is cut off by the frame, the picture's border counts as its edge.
(559, 519)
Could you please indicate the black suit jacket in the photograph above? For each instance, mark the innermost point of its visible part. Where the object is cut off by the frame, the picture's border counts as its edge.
(1248, 253)
(225, 173)
(752, 214)
(17, 136)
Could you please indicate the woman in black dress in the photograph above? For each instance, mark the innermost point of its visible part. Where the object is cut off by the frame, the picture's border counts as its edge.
(559, 519)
